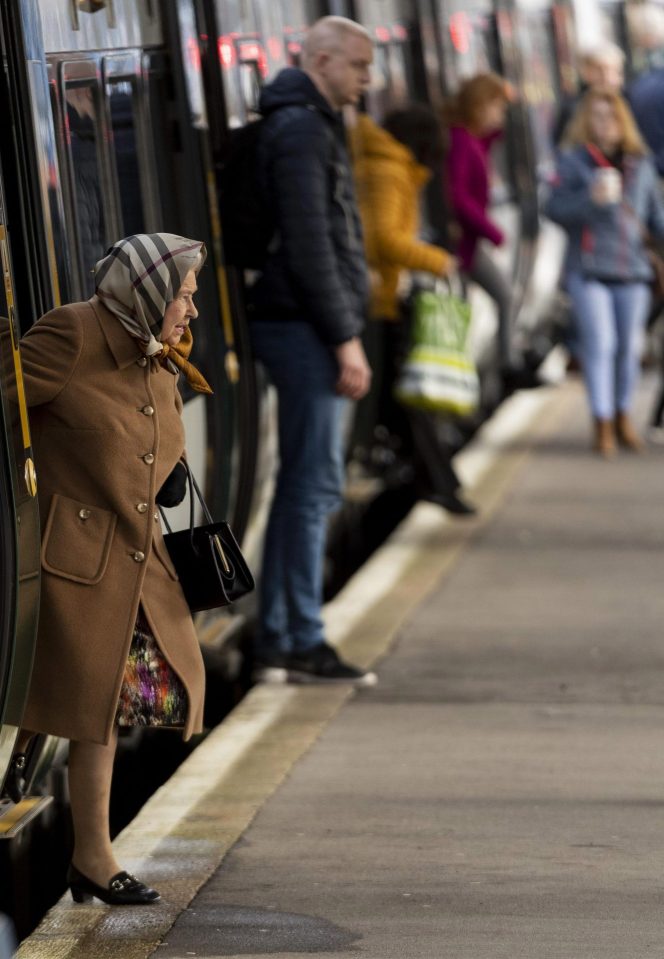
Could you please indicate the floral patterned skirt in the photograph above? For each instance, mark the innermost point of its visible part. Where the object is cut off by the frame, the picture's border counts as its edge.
(152, 694)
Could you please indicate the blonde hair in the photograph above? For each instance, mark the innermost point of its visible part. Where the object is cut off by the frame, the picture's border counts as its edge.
(578, 131)
(646, 26)
(329, 33)
(466, 106)
(607, 52)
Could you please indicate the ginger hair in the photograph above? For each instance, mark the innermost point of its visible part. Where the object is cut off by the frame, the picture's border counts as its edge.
(465, 108)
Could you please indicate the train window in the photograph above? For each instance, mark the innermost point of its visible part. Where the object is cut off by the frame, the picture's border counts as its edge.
(540, 83)
(297, 14)
(191, 62)
(400, 86)
(165, 138)
(469, 42)
(378, 94)
(121, 102)
(83, 143)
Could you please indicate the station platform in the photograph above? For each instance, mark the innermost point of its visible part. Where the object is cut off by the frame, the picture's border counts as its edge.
(499, 794)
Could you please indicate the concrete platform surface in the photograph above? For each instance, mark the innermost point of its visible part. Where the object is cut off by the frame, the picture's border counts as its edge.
(500, 794)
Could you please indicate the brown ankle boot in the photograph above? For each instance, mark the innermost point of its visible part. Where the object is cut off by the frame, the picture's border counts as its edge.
(627, 435)
(605, 443)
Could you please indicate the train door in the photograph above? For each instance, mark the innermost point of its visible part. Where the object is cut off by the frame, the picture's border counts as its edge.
(19, 519)
(531, 44)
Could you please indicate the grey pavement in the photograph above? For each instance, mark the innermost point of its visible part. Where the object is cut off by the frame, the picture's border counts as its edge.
(500, 794)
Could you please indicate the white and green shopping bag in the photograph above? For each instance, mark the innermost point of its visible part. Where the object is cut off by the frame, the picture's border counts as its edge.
(438, 373)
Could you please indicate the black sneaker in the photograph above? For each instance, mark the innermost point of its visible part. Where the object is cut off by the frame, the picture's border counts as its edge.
(270, 667)
(452, 502)
(322, 664)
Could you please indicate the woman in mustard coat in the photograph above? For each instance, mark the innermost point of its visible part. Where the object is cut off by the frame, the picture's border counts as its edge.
(393, 164)
(116, 643)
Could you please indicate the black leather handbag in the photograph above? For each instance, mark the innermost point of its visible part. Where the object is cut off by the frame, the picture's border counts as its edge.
(207, 559)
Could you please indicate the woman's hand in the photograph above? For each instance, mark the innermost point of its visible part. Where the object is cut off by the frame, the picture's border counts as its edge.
(606, 187)
(451, 267)
(174, 488)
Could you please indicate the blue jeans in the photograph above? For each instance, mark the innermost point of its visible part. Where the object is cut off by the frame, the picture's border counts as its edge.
(611, 320)
(309, 483)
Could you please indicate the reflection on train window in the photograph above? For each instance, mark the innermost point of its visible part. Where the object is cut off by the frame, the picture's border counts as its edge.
(540, 84)
(123, 122)
(84, 139)
(400, 85)
(166, 142)
(471, 43)
(251, 87)
(378, 94)
(191, 62)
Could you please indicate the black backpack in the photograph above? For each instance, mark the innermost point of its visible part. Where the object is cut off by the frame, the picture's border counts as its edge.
(247, 224)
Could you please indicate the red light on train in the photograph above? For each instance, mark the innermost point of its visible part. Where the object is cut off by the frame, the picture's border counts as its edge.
(294, 47)
(193, 54)
(252, 52)
(227, 54)
(275, 48)
(399, 32)
(460, 32)
(383, 34)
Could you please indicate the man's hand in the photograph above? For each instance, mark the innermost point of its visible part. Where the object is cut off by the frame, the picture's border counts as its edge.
(354, 371)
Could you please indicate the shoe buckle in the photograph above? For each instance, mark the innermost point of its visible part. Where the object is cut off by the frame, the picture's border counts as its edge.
(119, 884)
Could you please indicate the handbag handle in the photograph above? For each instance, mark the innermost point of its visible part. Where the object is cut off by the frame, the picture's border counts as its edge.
(195, 488)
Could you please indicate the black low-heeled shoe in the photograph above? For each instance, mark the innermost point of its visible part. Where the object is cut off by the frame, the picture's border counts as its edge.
(15, 780)
(123, 889)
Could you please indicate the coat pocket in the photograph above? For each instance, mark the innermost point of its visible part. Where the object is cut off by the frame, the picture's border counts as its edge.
(77, 540)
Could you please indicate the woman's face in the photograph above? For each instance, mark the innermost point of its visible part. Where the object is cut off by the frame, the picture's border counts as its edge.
(180, 311)
(493, 116)
(604, 125)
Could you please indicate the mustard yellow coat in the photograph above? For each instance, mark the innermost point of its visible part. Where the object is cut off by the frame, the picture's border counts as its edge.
(107, 430)
(389, 185)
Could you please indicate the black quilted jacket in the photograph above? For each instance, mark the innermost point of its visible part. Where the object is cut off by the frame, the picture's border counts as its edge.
(316, 270)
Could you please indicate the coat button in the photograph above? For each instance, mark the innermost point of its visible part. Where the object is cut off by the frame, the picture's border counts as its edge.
(143, 361)
(149, 458)
(138, 556)
(156, 516)
(142, 507)
(85, 513)
(148, 411)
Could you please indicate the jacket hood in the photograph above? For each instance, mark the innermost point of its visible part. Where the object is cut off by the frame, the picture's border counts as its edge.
(373, 143)
(293, 87)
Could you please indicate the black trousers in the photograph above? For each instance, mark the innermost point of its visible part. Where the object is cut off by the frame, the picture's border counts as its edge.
(417, 430)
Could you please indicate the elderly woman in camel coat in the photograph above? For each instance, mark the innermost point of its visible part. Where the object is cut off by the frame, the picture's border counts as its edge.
(116, 643)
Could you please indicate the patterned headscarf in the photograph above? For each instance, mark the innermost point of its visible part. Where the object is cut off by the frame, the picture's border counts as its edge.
(137, 279)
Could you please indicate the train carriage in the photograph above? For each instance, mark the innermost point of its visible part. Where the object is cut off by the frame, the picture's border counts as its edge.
(121, 114)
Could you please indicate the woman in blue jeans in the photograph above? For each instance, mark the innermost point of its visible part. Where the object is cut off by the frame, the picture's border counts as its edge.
(608, 199)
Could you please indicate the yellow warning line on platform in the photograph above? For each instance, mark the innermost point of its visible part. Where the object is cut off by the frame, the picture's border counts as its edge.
(185, 830)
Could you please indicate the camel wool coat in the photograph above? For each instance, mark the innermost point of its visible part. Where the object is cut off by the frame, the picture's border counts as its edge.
(106, 431)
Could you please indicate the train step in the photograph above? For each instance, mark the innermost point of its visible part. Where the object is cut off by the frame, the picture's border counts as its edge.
(14, 816)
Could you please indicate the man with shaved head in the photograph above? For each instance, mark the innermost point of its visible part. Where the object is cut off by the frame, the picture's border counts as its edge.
(307, 312)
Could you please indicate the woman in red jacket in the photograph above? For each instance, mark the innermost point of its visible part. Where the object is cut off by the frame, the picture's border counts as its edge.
(476, 119)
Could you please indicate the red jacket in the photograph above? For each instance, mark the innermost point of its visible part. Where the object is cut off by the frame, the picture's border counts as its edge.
(468, 189)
